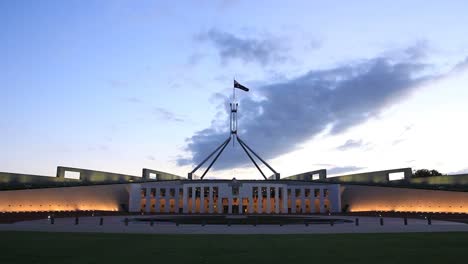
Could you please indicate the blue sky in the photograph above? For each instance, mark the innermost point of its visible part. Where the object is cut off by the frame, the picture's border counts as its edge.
(122, 85)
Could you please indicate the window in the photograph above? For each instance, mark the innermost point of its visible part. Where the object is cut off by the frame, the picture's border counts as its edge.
(272, 191)
(307, 192)
(235, 190)
(264, 192)
(316, 192)
(280, 192)
(181, 191)
(162, 192)
(197, 192)
(396, 176)
(298, 192)
(190, 192)
(325, 192)
(206, 192)
(152, 175)
(153, 192)
(143, 192)
(172, 192)
(72, 175)
(255, 192)
(215, 192)
(315, 176)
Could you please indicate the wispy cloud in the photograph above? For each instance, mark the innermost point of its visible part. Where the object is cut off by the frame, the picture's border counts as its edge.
(352, 144)
(167, 115)
(259, 50)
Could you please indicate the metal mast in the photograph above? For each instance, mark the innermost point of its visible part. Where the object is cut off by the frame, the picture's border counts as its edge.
(234, 136)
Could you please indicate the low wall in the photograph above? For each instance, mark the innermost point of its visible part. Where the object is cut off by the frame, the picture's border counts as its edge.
(83, 198)
(358, 198)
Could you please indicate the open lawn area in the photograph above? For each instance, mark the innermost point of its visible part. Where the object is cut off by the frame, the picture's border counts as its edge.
(36, 247)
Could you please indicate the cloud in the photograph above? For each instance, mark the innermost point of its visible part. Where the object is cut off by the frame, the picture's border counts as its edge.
(231, 47)
(351, 144)
(342, 170)
(293, 111)
(167, 115)
(462, 171)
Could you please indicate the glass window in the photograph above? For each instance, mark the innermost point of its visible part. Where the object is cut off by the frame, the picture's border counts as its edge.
(255, 192)
(162, 192)
(197, 192)
(325, 192)
(264, 192)
(298, 192)
(316, 192)
(172, 192)
(235, 190)
(307, 192)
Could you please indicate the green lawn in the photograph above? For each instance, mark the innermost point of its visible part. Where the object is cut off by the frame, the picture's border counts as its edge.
(64, 248)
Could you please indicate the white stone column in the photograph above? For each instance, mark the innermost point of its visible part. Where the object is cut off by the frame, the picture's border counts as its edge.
(285, 200)
(260, 200)
(167, 207)
(303, 200)
(185, 200)
(148, 200)
(268, 202)
(277, 201)
(194, 199)
(220, 202)
(176, 199)
(202, 199)
(158, 200)
(251, 200)
(293, 200)
(312, 200)
(321, 193)
(210, 200)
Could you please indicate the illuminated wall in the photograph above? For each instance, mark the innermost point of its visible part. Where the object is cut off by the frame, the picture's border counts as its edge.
(371, 198)
(100, 198)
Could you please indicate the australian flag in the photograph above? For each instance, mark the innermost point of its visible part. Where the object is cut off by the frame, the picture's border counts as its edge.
(240, 86)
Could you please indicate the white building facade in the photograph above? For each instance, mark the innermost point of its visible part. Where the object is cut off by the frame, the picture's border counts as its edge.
(234, 197)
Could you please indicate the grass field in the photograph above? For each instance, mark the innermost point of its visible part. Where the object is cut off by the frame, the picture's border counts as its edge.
(34, 247)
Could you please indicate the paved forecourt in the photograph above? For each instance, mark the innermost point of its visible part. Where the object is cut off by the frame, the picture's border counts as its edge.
(116, 224)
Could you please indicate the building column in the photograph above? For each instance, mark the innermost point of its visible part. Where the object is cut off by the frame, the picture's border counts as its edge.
(285, 200)
(176, 201)
(312, 200)
(167, 206)
(277, 200)
(303, 199)
(251, 200)
(210, 200)
(268, 203)
(185, 200)
(321, 193)
(148, 200)
(202, 200)
(158, 200)
(260, 201)
(220, 202)
(194, 199)
(293, 200)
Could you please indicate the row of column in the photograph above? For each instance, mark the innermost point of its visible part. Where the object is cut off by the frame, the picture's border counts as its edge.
(219, 206)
